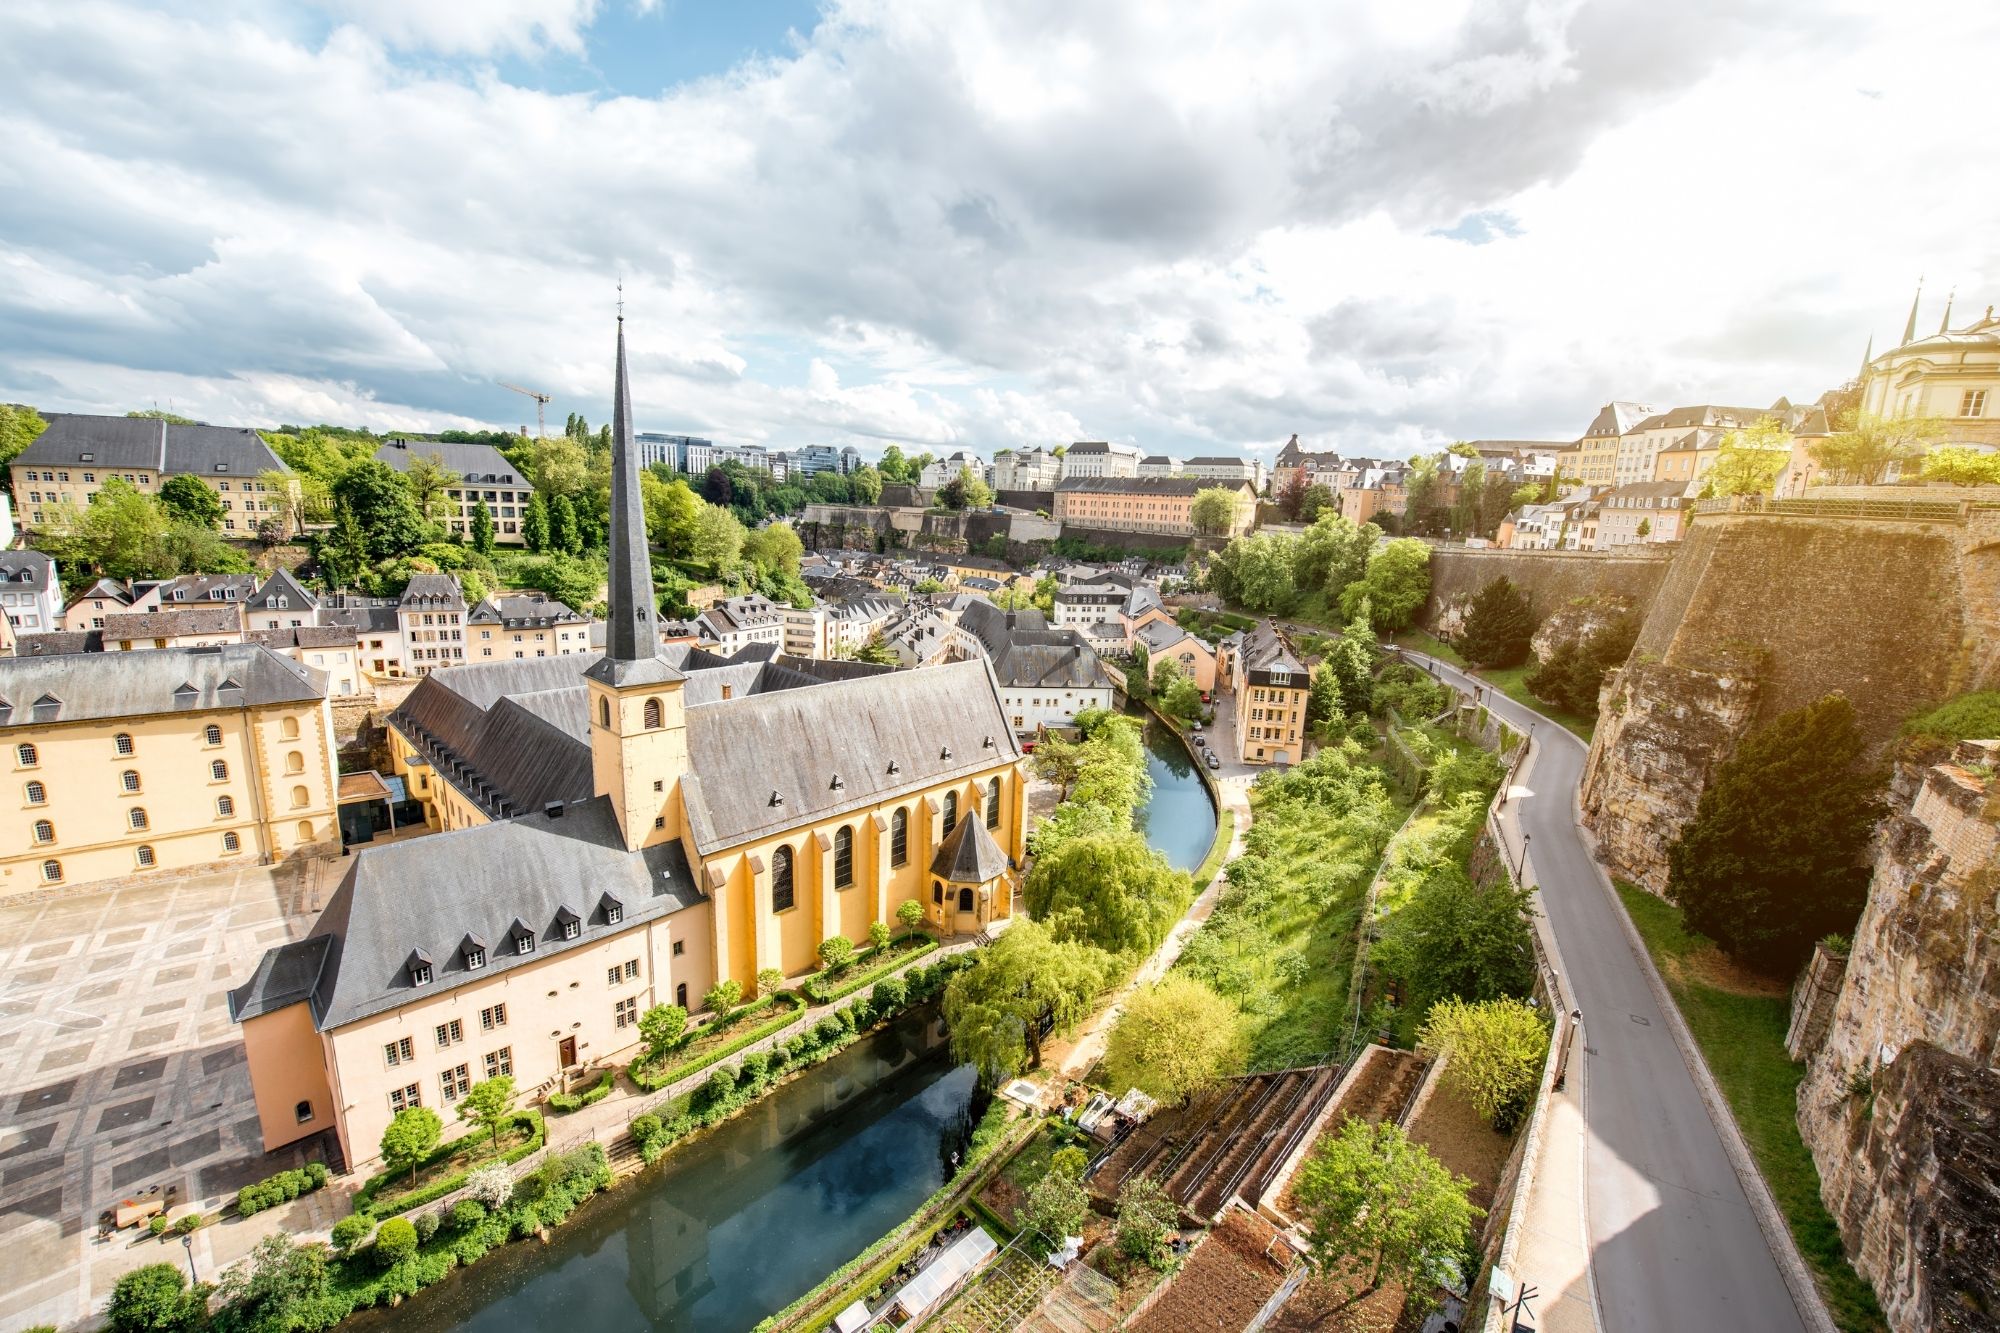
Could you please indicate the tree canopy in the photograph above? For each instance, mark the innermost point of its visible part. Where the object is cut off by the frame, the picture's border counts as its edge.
(1213, 510)
(1493, 1050)
(996, 1008)
(1749, 460)
(188, 499)
(1455, 939)
(383, 508)
(1866, 446)
(1774, 857)
(1379, 1208)
(1394, 587)
(1111, 890)
(1497, 626)
(1174, 1038)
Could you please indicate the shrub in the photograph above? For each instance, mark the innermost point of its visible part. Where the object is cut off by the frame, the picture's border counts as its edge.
(828, 1030)
(848, 1019)
(280, 1188)
(350, 1231)
(562, 1103)
(317, 1174)
(154, 1299)
(427, 1225)
(1497, 627)
(395, 1241)
(878, 934)
(491, 1185)
(159, 1224)
(721, 1084)
(467, 1214)
(190, 1223)
(644, 1127)
(891, 993)
(836, 952)
(911, 914)
(1494, 1051)
(754, 1064)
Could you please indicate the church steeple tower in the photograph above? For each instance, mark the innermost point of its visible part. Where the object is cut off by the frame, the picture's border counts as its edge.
(638, 726)
(1910, 328)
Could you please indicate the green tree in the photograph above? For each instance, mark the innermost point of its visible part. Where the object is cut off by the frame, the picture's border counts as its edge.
(535, 524)
(1256, 572)
(965, 491)
(723, 996)
(488, 1104)
(1866, 446)
(1147, 1218)
(866, 484)
(1113, 891)
(1773, 859)
(120, 532)
(911, 912)
(1395, 586)
(1291, 496)
(155, 1299)
(1574, 671)
(276, 1289)
(1213, 510)
(1497, 627)
(1326, 719)
(1749, 460)
(995, 1008)
(1333, 553)
(1352, 658)
(390, 521)
(835, 952)
(878, 934)
(1959, 466)
(188, 499)
(1319, 501)
(431, 484)
(1182, 699)
(570, 580)
(1174, 1039)
(559, 466)
(770, 980)
(19, 427)
(395, 1241)
(1494, 1050)
(775, 549)
(672, 511)
(895, 467)
(343, 552)
(718, 539)
(1165, 672)
(482, 529)
(1455, 939)
(563, 535)
(1056, 1207)
(661, 1028)
(409, 1137)
(1423, 498)
(1379, 1208)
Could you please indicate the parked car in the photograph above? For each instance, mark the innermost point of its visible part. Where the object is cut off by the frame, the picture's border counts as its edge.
(1199, 740)
(1214, 759)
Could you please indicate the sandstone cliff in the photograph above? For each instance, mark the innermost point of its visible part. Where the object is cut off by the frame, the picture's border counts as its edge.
(1759, 615)
(1900, 1106)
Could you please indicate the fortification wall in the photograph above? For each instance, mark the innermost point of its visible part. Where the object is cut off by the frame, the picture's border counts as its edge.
(1549, 580)
(1760, 615)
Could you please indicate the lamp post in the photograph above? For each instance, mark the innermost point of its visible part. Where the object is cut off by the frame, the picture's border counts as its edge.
(1521, 866)
(187, 1243)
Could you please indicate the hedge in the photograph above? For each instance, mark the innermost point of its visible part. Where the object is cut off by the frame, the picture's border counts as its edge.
(815, 986)
(280, 1188)
(562, 1103)
(364, 1199)
(650, 1080)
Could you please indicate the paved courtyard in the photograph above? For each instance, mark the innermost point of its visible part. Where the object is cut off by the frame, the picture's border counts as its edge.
(121, 1075)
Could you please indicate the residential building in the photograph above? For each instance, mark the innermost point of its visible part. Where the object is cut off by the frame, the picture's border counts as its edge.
(1097, 458)
(1160, 505)
(525, 625)
(1164, 639)
(670, 450)
(1159, 465)
(1655, 506)
(31, 595)
(1026, 470)
(1046, 676)
(1270, 683)
(163, 761)
(633, 831)
(281, 603)
(1218, 467)
(485, 477)
(7, 531)
(186, 592)
(431, 616)
(1954, 374)
(943, 471)
(102, 598)
(1079, 605)
(737, 622)
(378, 629)
(1640, 447)
(1593, 459)
(182, 627)
(73, 459)
(333, 649)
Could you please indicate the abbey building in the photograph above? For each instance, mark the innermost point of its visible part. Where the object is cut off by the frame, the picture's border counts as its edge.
(621, 831)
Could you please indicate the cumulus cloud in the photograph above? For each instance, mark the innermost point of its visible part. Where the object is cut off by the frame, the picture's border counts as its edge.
(1374, 224)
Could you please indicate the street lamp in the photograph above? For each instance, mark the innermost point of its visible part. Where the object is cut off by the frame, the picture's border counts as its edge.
(1521, 867)
(187, 1243)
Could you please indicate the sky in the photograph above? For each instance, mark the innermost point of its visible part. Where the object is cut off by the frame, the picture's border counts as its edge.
(1375, 224)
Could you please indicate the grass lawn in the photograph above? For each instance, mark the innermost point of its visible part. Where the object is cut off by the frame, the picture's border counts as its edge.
(1739, 1020)
(1225, 829)
(1510, 681)
(1420, 641)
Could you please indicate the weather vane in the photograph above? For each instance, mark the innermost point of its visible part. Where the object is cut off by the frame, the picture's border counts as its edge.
(621, 300)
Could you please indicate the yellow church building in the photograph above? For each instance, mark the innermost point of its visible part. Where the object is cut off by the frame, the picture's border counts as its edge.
(621, 831)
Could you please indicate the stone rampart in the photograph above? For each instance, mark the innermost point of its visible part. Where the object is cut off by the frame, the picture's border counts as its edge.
(1549, 580)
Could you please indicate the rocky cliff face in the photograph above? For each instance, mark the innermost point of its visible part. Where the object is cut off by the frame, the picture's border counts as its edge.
(1761, 615)
(1578, 621)
(1901, 1103)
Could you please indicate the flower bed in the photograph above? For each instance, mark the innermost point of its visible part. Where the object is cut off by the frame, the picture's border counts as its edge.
(694, 1057)
(562, 1103)
(821, 988)
(528, 1123)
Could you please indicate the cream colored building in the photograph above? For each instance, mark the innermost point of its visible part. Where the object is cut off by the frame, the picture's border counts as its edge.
(525, 625)
(1954, 375)
(1270, 683)
(1593, 459)
(1159, 505)
(74, 458)
(626, 830)
(484, 477)
(161, 761)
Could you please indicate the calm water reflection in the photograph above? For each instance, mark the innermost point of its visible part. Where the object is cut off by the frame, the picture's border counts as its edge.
(1178, 818)
(740, 1222)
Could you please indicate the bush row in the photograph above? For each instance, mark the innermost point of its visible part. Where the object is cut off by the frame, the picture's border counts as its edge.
(651, 1079)
(562, 1103)
(364, 1200)
(280, 1188)
(729, 1089)
(827, 987)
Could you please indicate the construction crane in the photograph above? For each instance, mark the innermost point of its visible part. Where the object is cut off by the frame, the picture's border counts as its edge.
(542, 400)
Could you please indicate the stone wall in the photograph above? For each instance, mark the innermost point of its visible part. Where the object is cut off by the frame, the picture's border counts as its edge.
(1900, 1106)
(360, 723)
(1813, 997)
(1760, 615)
(1549, 580)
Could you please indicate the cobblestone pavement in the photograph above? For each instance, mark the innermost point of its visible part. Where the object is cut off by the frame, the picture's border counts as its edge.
(121, 1075)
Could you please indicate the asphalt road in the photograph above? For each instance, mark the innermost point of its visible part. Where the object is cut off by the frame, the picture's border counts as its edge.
(1674, 1244)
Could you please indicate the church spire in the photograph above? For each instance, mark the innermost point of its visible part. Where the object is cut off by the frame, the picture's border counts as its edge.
(1866, 358)
(1910, 329)
(1944, 325)
(632, 635)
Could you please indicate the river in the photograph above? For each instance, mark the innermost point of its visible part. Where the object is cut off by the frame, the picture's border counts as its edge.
(739, 1222)
(1178, 818)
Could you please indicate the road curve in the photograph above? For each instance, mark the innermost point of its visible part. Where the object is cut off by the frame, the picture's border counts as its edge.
(1674, 1243)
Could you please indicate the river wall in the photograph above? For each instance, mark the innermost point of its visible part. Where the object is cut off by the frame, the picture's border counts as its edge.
(1758, 615)
(1900, 1106)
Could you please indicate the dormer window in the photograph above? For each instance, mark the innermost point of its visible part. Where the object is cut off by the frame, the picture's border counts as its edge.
(420, 968)
(524, 939)
(569, 923)
(614, 911)
(474, 951)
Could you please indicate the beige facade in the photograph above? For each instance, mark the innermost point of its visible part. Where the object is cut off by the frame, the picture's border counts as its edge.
(107, 797)
(1271, 684)
(1953, 375)
(1159, 505)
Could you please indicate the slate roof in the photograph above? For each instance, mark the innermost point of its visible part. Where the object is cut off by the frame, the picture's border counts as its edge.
(517, 611)
(478, 464)
(104, 590)
(77, 440)
(1025, 652)
(968, 854)
(172, 623)
(26, 569)
(54, 643)
(1161, 635)
(297, 597)
(936, 724)
(1615, 418)
(475, 881)
(1264, 651)
(111, 685)
(433, 592)
(304, 636)
(231, 588)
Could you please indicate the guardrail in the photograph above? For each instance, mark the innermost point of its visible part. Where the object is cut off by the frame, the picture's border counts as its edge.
(1930, 511)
